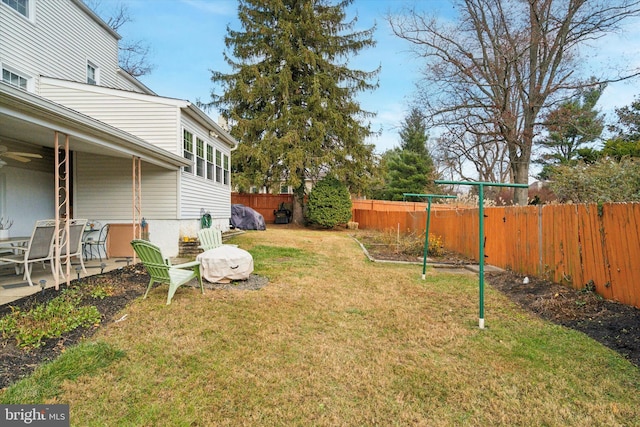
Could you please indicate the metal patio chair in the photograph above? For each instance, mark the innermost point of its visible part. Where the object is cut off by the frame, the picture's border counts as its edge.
(101, 242)
(161, 270)
(39, 249)
(75, 243)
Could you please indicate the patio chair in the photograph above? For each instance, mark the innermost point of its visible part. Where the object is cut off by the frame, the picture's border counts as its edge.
(101, 242)
(210, 238)
(161, 270)
(75, 243)
(39, 249)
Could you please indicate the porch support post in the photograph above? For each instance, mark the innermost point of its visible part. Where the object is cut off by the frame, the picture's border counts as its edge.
(63, 209)
(137, 199)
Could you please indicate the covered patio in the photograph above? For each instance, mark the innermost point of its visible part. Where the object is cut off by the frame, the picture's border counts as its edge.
(30, 123)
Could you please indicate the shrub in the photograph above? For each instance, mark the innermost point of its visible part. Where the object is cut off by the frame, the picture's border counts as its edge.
(329, 203)
(604, 181)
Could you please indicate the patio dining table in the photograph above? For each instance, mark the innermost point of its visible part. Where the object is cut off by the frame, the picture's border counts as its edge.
(12, 242)
(8, 245)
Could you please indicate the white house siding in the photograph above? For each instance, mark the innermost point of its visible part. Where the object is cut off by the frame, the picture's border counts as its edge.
(26, 195)
(127, 85)
(113, 202)
(57, 43)
(199, 193)
(152, 118)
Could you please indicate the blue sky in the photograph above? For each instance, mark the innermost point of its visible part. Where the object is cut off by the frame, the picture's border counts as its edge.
(187, 41)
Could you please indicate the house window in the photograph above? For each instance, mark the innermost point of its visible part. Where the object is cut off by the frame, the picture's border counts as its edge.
(93, 73)
(218, 166)
(284, 189)
(20, 6)
(199, 157)
(225, 165)
(253, 190)
(210, 167)
(15, 79)
(187, 147)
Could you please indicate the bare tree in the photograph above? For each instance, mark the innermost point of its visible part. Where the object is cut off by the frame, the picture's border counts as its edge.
(486, 156)
(133, 56)
(502, 62)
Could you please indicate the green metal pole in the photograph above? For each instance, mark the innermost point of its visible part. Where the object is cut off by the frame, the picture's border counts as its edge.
(481, 232)
(426, 240)
(426, 235)
(481, 252)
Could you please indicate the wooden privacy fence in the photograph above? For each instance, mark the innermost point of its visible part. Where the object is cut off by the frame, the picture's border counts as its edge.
(578, 245)
(264, 204)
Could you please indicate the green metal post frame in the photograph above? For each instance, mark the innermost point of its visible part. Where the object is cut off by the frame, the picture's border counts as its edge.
(481, 186)
(426, 234)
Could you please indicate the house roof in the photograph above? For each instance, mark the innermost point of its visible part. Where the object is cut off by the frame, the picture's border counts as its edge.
(29, 118)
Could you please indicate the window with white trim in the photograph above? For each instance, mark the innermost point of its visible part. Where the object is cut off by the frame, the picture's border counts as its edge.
(225, 165)
(93, 73)
(218, 166)
(200, 157)
(285, 189)
(20, 6)
(187, 148)
(210, 164)
(15, 79)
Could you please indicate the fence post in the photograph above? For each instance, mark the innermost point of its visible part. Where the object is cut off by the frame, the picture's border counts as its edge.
(541, 268)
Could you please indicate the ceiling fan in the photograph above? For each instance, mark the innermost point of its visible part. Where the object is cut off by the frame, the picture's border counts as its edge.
(16, 155)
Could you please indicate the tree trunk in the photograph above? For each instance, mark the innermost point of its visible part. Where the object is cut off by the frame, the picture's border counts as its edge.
(297, 217)
(520, 176)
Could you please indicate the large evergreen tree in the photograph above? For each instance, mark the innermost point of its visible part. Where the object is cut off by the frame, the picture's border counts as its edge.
(409, 169)
(413, 134)
(291, 96)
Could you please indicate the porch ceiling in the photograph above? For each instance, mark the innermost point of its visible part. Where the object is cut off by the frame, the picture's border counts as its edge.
(28, 118)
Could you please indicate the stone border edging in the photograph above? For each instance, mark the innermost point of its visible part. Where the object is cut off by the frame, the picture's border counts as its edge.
(470, 267)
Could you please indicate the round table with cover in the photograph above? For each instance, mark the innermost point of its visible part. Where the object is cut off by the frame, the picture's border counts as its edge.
(225, 263)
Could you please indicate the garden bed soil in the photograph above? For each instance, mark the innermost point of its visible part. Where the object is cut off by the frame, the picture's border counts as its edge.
(614, 325)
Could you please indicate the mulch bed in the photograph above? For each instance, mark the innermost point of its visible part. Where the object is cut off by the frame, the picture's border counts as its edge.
(613, 324)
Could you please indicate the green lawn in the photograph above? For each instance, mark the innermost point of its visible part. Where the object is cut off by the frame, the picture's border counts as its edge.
(335, 340)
